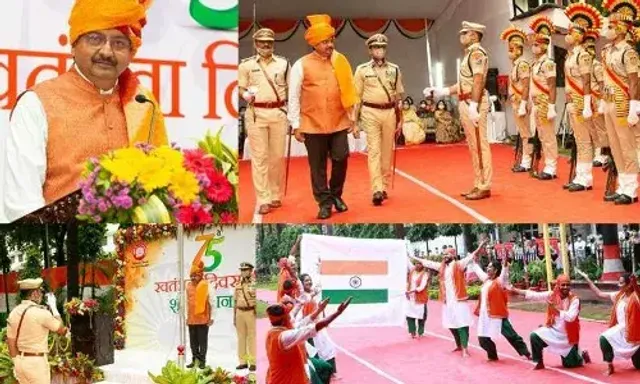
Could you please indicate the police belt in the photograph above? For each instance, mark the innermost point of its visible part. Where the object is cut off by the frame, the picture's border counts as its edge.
(31, 354)
(389, 105)
(270, 104)
(245, 309)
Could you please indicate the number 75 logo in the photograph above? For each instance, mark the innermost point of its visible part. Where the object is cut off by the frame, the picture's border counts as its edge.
(207, 17)
(211, 257)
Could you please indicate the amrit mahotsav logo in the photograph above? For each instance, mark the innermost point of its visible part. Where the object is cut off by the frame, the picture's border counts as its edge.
(211, 257)
(220, 19)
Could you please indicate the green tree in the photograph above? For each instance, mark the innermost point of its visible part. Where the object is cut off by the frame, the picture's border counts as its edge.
(422, 232)
(450, 230)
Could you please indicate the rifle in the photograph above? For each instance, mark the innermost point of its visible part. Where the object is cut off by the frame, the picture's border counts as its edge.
(612, 173)
(537, 155)
(286, 172)
(573, 161)
(518, 152)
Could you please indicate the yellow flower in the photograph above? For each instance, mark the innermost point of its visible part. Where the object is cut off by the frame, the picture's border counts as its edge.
(173, 159)
(184, 186)
(124, 164)
(153, 174)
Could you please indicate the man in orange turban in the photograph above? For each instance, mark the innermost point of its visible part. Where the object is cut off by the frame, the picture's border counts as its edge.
(561, 331)
(322, 100)
(57, 125)
(200, 304)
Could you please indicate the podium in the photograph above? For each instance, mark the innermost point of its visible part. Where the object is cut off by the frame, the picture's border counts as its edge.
(93, 336)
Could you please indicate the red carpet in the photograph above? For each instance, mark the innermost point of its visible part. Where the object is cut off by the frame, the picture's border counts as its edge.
(389, 355)
(516, 198)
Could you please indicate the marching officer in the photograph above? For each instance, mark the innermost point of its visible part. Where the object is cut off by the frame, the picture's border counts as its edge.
(263, 82)
(474, 106)
(379, 86)
(28, 330)
(244, 317)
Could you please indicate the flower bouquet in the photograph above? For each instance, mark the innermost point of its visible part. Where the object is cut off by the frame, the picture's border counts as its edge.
(165, 184)
(77, 307)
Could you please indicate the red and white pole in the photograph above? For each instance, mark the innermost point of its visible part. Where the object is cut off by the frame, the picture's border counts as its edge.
(612, 267)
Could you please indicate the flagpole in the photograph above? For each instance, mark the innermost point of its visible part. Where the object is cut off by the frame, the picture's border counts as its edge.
(547, 254)
(428, 48)
(182, 321)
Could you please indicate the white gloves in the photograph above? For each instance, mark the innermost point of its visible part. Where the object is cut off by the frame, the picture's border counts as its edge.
(51, 302)
(634, 108)
(250, 94)
(601, 107)
(474, 115)
(522, 111)
(586, 112)
(551, 113)
(437, 92)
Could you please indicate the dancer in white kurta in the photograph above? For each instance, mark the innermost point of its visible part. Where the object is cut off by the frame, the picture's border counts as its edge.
(622, 339)
(456, 314)
(561, 332)
(417, 295)
(492, 311)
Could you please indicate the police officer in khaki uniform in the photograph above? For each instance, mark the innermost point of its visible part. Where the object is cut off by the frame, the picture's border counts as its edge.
(379, 86)
(598, 129)
(474, 106)
(244, 317)
(28, 330)
(262, 80)
(578, 67)
(620, 61)
(543, 95)
(519, 93)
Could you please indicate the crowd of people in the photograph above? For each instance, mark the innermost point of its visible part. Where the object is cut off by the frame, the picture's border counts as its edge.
(429, 122)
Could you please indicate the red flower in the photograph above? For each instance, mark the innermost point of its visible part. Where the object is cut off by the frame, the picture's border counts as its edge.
(228, 218)
(220, 189)
(196, 161)
(194, 216)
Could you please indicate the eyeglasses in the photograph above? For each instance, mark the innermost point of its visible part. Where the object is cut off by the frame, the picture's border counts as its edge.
(98, 40)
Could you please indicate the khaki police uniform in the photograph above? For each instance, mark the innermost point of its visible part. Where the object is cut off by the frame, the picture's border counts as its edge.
(475, 62)
(31, 366)
(245, 316)
(598, 129)
(619, 61)
(543, 69)
(579, 63)
(379, 87)
(518, 79)
(266, 120)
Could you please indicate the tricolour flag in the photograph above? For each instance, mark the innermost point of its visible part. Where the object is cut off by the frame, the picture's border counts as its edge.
(363, 280)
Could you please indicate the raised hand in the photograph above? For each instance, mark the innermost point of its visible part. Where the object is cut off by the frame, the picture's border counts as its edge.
(344, 305)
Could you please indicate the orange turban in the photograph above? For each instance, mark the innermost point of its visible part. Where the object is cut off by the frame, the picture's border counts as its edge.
(129, 16)
(197, 267)
(320, 29)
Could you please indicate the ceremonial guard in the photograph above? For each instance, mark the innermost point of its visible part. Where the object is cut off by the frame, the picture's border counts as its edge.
(620, 93)
(379, 86)
(244, 317)
(28, 330)
(263, 80)
(474, 106)
(578, 67)
(543, 95)
(519, 94)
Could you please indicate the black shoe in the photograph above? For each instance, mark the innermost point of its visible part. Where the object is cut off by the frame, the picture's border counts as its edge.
(520, 169)
(242, 366)
(384, 195)
(597, 164)
(625, 200)
(579, 188)
(378, 197)
(324, 212)
(202, 365)
(340, 205)
(546, 176)
(252, 368)
(611, 197)
(193, 364)
(568, 185)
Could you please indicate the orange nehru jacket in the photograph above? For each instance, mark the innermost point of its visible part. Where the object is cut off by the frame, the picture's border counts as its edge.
(632, 316)
(497, 300)
(321, 108)
(458, 281)
(285, 366)
(572, 327)
(421, 296)
(194, 318)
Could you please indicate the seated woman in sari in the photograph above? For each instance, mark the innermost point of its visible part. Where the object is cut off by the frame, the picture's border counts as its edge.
(447, 131)
(412, 126)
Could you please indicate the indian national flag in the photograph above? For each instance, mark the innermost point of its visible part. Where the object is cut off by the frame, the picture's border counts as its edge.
(364, 280)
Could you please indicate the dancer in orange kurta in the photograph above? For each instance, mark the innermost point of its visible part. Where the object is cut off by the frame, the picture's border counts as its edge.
(288, 272)
(57, 125)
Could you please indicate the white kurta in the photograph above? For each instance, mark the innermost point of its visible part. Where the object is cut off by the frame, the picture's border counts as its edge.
(488, 326)
(323, 343)
(455, 314)
(413, 309)
(616, 335)
(556, 335)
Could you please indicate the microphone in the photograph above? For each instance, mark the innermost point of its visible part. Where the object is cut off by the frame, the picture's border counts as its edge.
(140, 98)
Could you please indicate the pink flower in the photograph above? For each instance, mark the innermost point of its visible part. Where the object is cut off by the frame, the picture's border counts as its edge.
(196, 161)
(227, 218)
(219, 190)
(193, 216)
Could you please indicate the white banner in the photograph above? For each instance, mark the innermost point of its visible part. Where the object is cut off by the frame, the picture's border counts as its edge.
(192, 70)
(152, 324)
(372, 271)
